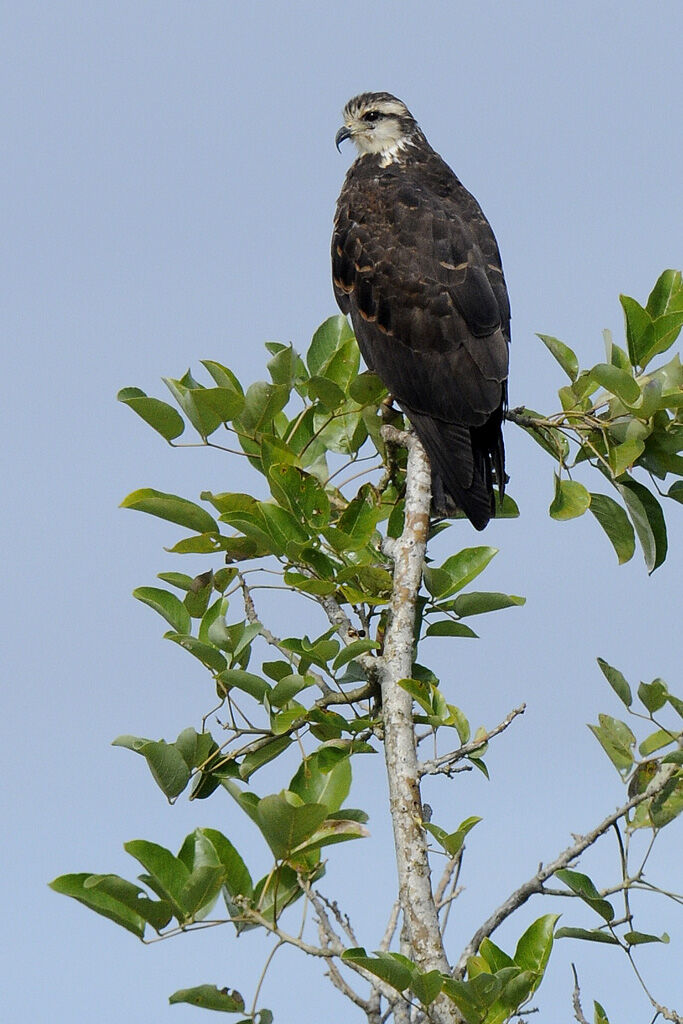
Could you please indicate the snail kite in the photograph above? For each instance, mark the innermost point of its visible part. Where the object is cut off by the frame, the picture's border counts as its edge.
(416, 265)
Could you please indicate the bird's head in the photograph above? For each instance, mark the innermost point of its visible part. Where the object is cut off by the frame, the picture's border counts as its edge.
(379, 123)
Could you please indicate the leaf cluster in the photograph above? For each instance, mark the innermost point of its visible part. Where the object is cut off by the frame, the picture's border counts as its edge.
(497, 986)
(622, 415)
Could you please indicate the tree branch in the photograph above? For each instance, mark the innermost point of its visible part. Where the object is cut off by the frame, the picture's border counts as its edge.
(576, 999)
(443, 765)
(415, 890)
(535, 884)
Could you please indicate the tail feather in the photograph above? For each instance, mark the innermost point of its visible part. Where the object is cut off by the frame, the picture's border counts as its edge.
(462, 460)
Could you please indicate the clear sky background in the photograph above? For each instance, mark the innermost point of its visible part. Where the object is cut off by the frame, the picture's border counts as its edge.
(169, 179)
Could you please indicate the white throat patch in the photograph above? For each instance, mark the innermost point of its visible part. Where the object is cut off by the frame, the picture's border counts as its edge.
(391, 155)
(384, 139)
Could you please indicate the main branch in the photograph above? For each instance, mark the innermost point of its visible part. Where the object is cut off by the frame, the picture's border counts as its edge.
(415, 890)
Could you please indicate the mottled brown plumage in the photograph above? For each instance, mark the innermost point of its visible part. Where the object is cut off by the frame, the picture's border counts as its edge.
(416, 266)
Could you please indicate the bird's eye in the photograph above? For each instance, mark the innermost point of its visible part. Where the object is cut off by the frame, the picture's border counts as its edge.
(371, 115)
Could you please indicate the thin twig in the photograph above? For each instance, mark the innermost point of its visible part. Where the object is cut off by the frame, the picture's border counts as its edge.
(443, 765)
(535, 884)
(576, 999)
(390, 929)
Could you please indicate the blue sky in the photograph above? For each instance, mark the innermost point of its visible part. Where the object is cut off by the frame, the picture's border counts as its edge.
(170, 178)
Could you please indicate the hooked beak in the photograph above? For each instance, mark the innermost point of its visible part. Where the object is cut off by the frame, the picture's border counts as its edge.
(342, 134)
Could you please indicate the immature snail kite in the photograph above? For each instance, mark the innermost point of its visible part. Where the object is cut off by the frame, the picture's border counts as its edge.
(416, 265)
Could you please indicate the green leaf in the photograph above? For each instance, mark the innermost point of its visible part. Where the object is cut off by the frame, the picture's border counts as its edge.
(648, 519)
(666, 292)
(623, 456)
(638, 329)
(564, 355)
(392, 968)
(177, 579)
(301, 493)
(286, 366)
(457, 571)
(589, 934)
(197, 600)
(571, 499)
(354, 650)
(278, 889)
(216, 406)
(171, 507)
(201, 889)
(460, 993)
(284, 826)
(208, 543)
(237, 880)
(641, 938)
(617, 741)
(287, 688)
(452, 842)
(617, 682)
(534, 947)
(676, 491)
(315, 786)
(653, 695)
(167, 605)
(668, 803)
(655, 741)
(332, 831)
(255, 759)
(446, 627)
(100, 901)
(168, 873)
(358, 521)
(166, 420)
(262, 402)
(158, 913)
(617, 382)
(209, 997)
(496, 958)
(195, 747)
(245, 681)
(583, 886)
(477, 603)
(676, 703)
(343, 366)
(326, 392)
(599, 1015)
(222, 376)
(616, 525)
(426, 986)
(367, 389)
(207, 654)
(205, 408)
(166, 763)
(327, 339)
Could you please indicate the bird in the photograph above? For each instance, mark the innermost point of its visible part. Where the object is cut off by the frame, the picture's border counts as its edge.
(416, 266)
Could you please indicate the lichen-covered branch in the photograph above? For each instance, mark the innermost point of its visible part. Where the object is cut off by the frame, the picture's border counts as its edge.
(415, 890)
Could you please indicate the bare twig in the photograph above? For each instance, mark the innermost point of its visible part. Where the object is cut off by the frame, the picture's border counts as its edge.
(347, 633)
(535, 883)
(390, 930)
(576, 999)
(270, 638)
(342, 919)
(444, 765)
